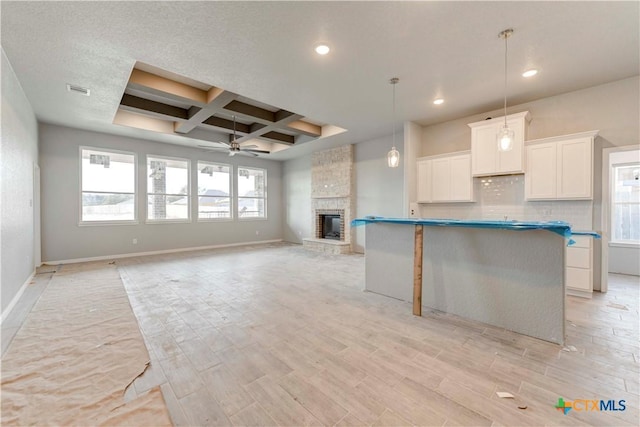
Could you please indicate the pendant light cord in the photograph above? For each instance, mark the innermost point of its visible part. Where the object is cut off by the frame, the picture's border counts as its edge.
(393, 82)
(505, 34)
(393, 125)
(505, 79)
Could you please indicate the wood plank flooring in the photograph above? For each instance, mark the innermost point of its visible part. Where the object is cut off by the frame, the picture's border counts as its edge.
(278, 335)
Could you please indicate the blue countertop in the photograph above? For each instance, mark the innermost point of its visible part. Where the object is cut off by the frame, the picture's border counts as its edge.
(559, 227)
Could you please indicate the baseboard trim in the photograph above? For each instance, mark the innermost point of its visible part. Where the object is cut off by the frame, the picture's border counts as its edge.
(16, 298)
(166, 251)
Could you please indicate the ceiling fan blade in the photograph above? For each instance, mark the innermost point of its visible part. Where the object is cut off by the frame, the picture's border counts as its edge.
(204, 148)
(249, 146)
(255, 151)
(247, 153)
(224, 144)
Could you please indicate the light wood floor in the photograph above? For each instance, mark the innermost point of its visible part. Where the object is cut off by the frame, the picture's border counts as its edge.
(278, 335)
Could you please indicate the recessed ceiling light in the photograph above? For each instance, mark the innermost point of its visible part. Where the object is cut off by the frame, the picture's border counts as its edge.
(322, 49)
(530, 73)
(438, 101)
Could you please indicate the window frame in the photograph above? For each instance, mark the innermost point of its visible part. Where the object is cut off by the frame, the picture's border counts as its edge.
(148, 193)
(84, 223)
(231, 193)
(264, 197)
(616, 242)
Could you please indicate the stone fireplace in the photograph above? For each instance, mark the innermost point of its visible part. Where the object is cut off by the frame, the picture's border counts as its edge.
(331, 201)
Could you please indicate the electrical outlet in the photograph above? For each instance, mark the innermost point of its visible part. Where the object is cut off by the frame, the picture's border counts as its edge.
(134, 241)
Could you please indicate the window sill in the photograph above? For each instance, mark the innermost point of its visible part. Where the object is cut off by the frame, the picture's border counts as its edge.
(167, 221)
(253, 219)
(624, 245)
(215, 220)
(107, 223)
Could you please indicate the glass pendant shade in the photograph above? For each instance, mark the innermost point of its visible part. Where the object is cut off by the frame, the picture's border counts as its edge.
(505, 138)
(393, 158)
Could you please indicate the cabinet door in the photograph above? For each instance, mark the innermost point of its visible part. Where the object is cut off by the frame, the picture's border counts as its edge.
(575, 169)
(540, 178)
(460, 178)
(424, 181)
(441, 180)
(511, 161)
(484, 150)
(578, 278)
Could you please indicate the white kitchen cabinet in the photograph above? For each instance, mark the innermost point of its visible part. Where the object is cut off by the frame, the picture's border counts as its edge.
(445, 178)
(560, 168)
(486, 159)
(579, 267)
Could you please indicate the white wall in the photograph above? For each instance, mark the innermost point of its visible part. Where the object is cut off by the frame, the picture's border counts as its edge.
(63, 239)
(18, 155)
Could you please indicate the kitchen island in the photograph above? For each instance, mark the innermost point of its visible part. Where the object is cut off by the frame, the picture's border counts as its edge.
(507, 274)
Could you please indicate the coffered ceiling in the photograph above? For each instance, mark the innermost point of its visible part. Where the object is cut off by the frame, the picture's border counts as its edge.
(260, 54)
(175, 106)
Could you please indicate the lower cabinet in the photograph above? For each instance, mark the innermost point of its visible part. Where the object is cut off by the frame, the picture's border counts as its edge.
(443, 179)
(579, 267)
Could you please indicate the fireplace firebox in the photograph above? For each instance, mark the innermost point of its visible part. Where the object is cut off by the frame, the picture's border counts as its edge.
(330, 224)
(331, 227)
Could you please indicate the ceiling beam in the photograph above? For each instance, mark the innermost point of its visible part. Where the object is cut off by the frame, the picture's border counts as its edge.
(167, 88)
(281, 138)
(217, 98)
(306, 128)
(227, 125)
(152, 108)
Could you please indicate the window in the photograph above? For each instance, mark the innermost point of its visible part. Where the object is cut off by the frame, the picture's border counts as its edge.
(625, 206)
(108, 186)
(214, 191)
(252, 193)
(167, 189)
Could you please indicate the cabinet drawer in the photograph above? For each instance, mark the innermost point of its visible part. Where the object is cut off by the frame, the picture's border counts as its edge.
(578, 278)
(581, 242)
(578, 257)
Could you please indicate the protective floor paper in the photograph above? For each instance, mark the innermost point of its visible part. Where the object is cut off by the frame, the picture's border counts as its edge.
(76, 353)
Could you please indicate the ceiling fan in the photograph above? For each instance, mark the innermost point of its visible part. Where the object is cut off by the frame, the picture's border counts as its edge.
(234, 146)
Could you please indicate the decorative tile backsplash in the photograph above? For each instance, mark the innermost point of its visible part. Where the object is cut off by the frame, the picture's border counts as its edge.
(498, 197)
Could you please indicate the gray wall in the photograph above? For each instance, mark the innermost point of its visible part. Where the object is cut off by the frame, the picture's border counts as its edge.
(378, 190)
(18, 155)
(63, 239)
(296, 178)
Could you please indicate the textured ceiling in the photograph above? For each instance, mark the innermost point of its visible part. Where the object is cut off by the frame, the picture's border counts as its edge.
(264, 51)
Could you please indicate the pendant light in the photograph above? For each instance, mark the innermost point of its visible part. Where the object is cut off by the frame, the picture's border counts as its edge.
(505, 136)
(393, 157)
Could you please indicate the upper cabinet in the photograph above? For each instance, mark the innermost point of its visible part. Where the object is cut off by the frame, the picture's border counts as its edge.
(560, 167)
(445, 178)
(485, 158)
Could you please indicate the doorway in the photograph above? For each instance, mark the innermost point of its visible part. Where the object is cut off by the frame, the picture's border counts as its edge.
(619, 249)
